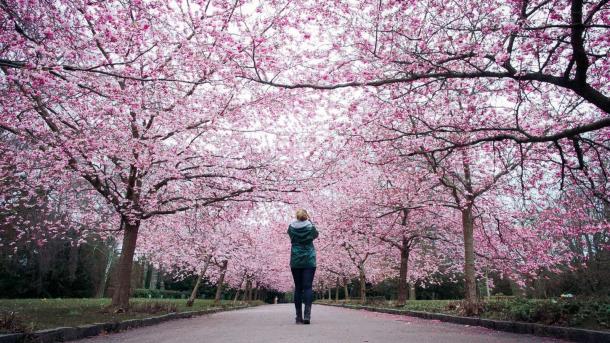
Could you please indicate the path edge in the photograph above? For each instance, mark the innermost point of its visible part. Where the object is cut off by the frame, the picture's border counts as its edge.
(562, 332)
(63, 334)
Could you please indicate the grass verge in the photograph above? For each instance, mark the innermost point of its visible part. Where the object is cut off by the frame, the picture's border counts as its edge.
(27, 315)
(591, 314)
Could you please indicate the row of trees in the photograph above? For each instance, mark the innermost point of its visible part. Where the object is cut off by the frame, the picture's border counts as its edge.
(427, 139)
(488, 124)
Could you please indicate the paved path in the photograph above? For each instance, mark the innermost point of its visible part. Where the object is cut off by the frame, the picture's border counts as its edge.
(274, 323)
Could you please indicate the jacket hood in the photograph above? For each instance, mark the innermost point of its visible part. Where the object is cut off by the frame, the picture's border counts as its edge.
(299, 224)
(302, 232)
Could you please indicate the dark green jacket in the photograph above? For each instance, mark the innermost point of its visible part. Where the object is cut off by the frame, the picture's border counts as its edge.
(303, 253)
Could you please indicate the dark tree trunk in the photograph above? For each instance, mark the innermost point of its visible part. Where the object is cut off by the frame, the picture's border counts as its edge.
(120, 299)
(250, 286)
(221, 280)
(72, 262)
(345, 289)
(362, 277)
(193, 296)
(236, 295)
(469, 267)
(104, 279)
(402, 278)
(338, 285)
(247, 289)
(149, 271)
(238, 289)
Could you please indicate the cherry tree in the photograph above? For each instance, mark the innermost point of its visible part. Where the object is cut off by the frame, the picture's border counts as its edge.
(104, 92)
(557, 47)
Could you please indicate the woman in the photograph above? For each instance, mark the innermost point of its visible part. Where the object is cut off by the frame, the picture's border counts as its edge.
(302, 232)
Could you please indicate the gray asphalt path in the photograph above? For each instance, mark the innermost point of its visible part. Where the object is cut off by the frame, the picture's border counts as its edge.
(274, 323)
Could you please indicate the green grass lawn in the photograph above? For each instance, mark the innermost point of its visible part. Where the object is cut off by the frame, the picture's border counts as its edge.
(38, 314)
(592, 313)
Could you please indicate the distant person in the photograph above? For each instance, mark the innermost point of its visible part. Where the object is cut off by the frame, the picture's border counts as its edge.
(302, 232)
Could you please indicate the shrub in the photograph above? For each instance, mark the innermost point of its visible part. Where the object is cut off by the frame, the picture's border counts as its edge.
(153, 307)
(466, 308)
(159, 294)
(10, 322)
(592, 313)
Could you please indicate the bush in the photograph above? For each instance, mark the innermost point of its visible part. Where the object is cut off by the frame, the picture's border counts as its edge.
(10, 322)
(466, 308)
(591, 313)
(153, 307)
(159, 294)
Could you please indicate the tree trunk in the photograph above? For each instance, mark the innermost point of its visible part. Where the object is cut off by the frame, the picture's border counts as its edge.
(469, 268)
(487, 292)
(221, 280)
(402, 277)
(72, 262)
(362, 276)
(154, 278)
(330, 293)
(345, 289)
(338, 285)
(193, 296)
(250, 286)
(161, 280)
(246, 290)
(120, 299)
(102, 286)
(239, 288)
(149, 270)
(236, 295)
(412, 292)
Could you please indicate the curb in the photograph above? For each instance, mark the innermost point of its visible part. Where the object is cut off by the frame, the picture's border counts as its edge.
(63, 334)
(573, 334)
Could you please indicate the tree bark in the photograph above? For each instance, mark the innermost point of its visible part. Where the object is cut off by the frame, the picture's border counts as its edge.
(469, 267)
(154, 278)
(246, 290)
(362, 277)
(72, 262)
(337, 290)
(221, 280)
(238, 289)
(120, 299)
(487, 291)
(250, 286)
(102, 286)
(148, 278)
(412, 292)
(345, 289)
(193, 296)
(236, 297)
(402, 278)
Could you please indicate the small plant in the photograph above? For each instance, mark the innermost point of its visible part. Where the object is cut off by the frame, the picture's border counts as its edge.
(153, 307)
(10, 322)
(467, 308)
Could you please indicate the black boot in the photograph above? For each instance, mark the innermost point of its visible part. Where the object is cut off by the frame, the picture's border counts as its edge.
(307, 315)
(299, 317)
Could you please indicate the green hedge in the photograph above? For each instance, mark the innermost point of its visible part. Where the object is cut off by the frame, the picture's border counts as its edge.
(592, 313)
(159, 294)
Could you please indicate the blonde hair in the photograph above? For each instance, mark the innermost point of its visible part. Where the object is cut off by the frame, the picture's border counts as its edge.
(302, 214)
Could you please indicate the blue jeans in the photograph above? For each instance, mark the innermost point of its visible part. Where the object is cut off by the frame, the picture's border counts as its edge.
(303, 279)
